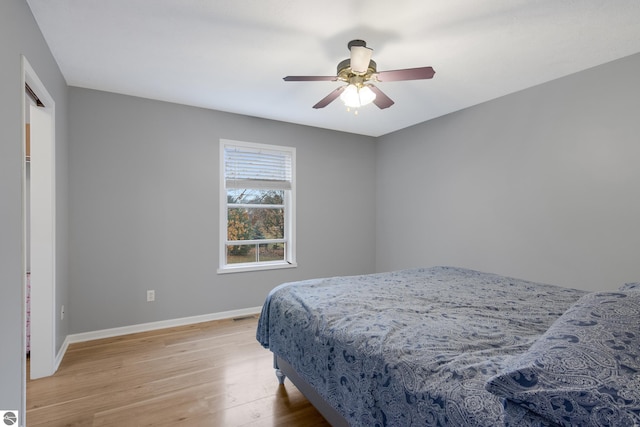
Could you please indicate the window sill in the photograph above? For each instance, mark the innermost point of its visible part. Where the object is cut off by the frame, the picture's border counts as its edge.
(240, 268)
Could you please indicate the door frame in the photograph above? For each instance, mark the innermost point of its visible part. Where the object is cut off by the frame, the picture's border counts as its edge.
(43, 253)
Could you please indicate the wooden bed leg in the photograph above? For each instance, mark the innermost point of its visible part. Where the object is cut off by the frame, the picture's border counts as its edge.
(279, 374)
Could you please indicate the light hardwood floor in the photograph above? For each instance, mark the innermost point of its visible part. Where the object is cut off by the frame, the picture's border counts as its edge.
(208, 374)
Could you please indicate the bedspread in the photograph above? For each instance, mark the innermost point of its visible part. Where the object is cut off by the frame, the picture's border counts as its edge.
(412, 347)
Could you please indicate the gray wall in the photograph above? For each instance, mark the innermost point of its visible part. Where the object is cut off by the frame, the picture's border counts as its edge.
(144, 179)
(19, 35)
(543, 184)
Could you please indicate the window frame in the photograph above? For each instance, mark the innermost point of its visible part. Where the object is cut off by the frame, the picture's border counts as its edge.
(289, 207)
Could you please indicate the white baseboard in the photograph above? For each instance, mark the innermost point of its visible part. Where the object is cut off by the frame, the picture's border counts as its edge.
(151, 326)
(61, 353)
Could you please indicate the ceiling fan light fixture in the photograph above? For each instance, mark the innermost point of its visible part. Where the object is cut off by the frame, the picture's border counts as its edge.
(356, 97)
(359, 71)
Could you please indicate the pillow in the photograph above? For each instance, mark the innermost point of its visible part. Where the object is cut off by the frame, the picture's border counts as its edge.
(585, 370)
(635, 286)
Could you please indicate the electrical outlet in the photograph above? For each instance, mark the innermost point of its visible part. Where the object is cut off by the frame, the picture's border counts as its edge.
(62, 313)
(151, 295)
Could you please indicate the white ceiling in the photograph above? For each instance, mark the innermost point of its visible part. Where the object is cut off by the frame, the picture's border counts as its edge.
(231, 55)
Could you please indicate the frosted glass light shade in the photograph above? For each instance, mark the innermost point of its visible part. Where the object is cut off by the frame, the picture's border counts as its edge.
(366, 95)
(360, 57)
(354, 97)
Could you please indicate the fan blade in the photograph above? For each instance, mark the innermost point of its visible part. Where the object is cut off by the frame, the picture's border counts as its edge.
(329, 98)
(406, 74)
(382, 101)
(310, 79)
(360, 57)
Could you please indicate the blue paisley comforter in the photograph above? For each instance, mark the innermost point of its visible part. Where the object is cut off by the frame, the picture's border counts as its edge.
(412, 347)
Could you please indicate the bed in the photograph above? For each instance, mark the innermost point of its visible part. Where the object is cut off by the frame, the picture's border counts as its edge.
(446, 346)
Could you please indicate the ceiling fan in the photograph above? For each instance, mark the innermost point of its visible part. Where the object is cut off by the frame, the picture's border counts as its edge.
(359, 71)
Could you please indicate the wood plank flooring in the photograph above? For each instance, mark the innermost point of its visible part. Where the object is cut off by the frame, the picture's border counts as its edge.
(208, 374)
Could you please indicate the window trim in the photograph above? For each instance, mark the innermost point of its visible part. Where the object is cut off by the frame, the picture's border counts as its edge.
(289, 212)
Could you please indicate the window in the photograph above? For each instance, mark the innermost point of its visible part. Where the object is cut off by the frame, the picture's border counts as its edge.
(257, 206)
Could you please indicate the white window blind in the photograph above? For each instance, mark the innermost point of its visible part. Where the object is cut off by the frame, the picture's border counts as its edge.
(257, 206)
(247, 167)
